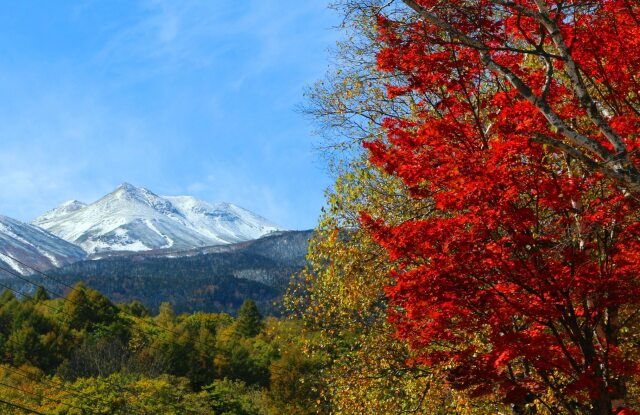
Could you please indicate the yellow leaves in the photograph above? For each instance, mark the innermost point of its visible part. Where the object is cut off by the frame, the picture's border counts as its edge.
(345, 298)
(114, 395)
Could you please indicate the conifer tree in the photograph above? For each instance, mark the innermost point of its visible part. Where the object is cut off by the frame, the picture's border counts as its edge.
(40, 294)
(249, 322)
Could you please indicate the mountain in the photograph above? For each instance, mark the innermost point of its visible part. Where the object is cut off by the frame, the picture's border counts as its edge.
(33, 246)
(211, 279)
(135, 219)
(62, 210)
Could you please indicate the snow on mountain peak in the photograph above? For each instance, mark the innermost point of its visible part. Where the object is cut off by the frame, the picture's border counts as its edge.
(222, 220)
(64, 209)
(136, 219)
(73, 204)
(127, 186)
(34, 246)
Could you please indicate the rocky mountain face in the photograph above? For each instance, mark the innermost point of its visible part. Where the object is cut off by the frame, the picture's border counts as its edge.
(33, 246)
(135, 219)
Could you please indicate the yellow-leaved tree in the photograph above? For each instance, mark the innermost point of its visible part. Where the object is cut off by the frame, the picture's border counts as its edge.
(341, 294)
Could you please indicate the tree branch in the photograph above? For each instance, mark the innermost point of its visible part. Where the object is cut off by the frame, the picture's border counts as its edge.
(524, 90)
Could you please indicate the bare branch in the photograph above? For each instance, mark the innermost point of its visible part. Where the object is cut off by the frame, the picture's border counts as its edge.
(579, 85)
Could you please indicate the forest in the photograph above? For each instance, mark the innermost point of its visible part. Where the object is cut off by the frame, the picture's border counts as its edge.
(215, 279)
(81, 354)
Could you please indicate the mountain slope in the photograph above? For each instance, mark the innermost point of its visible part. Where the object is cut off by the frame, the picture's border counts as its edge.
(223, 221)
(61, 211)
(212, 279)
(33, 246)
(136, 219)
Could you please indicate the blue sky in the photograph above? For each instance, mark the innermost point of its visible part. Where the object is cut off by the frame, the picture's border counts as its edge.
(181, 97)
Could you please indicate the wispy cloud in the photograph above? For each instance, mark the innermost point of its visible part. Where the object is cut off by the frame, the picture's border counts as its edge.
(252, 35)
(178, 96)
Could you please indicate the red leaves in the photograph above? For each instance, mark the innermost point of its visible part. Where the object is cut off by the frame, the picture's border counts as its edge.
(529, 254)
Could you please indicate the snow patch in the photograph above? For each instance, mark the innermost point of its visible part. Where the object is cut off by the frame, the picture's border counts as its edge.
(16, 266)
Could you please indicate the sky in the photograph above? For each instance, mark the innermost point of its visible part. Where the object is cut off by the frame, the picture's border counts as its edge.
(180, 97)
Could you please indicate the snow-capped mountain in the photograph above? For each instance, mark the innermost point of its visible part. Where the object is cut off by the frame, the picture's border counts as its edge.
(225, 222)
(62, 210)
(135, 219)
(34, 247)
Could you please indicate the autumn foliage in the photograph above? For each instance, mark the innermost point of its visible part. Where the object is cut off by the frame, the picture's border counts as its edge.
(525, 277)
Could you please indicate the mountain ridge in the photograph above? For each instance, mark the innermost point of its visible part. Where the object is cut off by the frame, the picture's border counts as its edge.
(44, 250)
(133, 218)
(210, 279)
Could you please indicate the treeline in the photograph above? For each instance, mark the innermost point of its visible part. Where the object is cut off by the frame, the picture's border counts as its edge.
(216, 281)
(82, 354)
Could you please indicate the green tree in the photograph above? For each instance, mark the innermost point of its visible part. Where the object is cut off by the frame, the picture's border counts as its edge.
(87, 309)
(166, 317)
(40, 294)
(135, 308)
(228, 397)
(249, 322)
(6, 297)
(295, 384)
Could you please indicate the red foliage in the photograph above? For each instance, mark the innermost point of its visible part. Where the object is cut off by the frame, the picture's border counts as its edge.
(532, 251)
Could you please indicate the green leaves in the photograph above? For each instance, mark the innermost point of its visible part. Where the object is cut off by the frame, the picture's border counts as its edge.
(249, 321)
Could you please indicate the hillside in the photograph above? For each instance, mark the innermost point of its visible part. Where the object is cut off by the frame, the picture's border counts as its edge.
(215, 279)
(32, 245)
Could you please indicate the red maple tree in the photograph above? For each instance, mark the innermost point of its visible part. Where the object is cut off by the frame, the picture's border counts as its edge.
(525, 139)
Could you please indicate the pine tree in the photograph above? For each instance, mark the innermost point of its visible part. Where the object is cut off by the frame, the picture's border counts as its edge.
(40, 294)
(249, 322)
